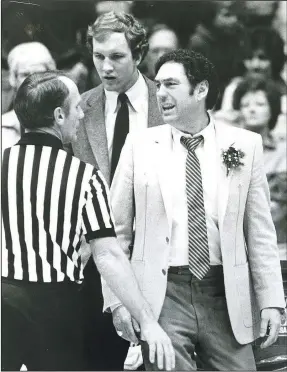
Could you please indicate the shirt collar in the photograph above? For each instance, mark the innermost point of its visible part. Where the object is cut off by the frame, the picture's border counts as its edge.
(42, 139)
(206, 133)
(134, 95)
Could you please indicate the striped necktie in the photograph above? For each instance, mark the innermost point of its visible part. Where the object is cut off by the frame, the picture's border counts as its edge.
(198, 251)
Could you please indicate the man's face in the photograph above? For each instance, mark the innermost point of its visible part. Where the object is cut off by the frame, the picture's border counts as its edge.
(72, 112)
(255, 110)
(27, 68)
(114, 62)
(173, 94)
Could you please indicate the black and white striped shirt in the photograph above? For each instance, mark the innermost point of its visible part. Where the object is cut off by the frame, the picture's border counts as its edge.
(50, 199)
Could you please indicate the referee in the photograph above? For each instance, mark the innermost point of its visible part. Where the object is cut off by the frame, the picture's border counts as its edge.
(50, 199)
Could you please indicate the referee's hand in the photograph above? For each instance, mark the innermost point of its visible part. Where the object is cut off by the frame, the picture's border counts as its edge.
(124, 325)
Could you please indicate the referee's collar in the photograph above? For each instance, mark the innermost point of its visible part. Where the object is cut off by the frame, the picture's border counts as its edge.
(42, 139)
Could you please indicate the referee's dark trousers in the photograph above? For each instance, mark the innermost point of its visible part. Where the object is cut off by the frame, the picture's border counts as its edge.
(41, 326)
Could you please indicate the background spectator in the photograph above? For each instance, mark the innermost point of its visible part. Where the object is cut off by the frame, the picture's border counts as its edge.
(259, 13)
(23, 60)
(102, 7)
(280, 25)
(265, 54)
(59, 25)
(220, 37)
(258, 100)
(265, 57)
(161, 39)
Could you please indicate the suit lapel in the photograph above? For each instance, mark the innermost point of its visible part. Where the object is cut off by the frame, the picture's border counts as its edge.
(224, 139)
(95, 118)
(163, 149)
(163, 152)
(154, 116)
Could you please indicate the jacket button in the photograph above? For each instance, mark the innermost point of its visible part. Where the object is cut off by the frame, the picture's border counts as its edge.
(167, 239)
(163, 271)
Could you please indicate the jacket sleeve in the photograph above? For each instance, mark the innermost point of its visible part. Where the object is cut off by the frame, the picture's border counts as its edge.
(122, 204)
(261, 237)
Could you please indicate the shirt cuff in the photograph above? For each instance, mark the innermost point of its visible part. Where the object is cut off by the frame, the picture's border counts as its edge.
(114, 307)
(103, 233)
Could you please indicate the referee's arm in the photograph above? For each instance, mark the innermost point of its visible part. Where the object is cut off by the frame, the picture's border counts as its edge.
(116, 269)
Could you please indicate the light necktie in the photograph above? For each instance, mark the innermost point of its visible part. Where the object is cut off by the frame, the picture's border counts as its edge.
(120, 132)
(198, 251)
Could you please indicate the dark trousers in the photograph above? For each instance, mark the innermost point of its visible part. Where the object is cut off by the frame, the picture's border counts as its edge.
(41, 326)
(104, 349)
(195, 316)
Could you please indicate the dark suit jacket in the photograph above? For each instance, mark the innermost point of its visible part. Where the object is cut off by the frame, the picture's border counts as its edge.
(91, 145)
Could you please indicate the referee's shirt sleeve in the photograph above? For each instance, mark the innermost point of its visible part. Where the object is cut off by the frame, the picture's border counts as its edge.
(97, 218)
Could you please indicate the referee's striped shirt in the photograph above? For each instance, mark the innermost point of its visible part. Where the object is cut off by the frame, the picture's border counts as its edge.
(49, 200)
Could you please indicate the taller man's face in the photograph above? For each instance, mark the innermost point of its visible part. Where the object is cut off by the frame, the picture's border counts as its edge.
(114, 62)
(173, 94)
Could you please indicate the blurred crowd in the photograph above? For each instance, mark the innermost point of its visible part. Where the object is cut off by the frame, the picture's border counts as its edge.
(246, 40)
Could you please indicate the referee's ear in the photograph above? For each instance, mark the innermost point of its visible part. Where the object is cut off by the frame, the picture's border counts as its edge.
(59, 116)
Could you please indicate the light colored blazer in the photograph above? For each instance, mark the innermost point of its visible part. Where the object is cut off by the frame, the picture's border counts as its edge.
(91, 145)
(251, 266)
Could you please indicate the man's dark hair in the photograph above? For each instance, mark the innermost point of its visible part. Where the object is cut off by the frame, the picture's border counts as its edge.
(107, 23)
(38, 96)
(270, 42)
(269, 87)
(197, 68)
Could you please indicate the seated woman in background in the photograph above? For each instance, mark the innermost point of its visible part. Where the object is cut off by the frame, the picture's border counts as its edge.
(258, 101)
(264, 57)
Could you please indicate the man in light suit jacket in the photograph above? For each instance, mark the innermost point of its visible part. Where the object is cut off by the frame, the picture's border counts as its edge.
(118, 43)
(205, 253)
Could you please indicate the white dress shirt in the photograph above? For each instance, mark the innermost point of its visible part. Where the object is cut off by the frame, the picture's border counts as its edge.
(207, 156)
(138, 110)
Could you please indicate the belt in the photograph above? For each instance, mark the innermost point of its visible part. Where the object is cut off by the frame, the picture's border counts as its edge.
(179, 270)
(184, 270)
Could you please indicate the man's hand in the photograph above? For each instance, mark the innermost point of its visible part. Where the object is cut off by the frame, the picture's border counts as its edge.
(270, 321)
(116, 270)
(124, 324)
(160, 345)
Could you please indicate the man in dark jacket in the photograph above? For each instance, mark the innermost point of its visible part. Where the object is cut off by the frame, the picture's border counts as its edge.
(124, 102)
